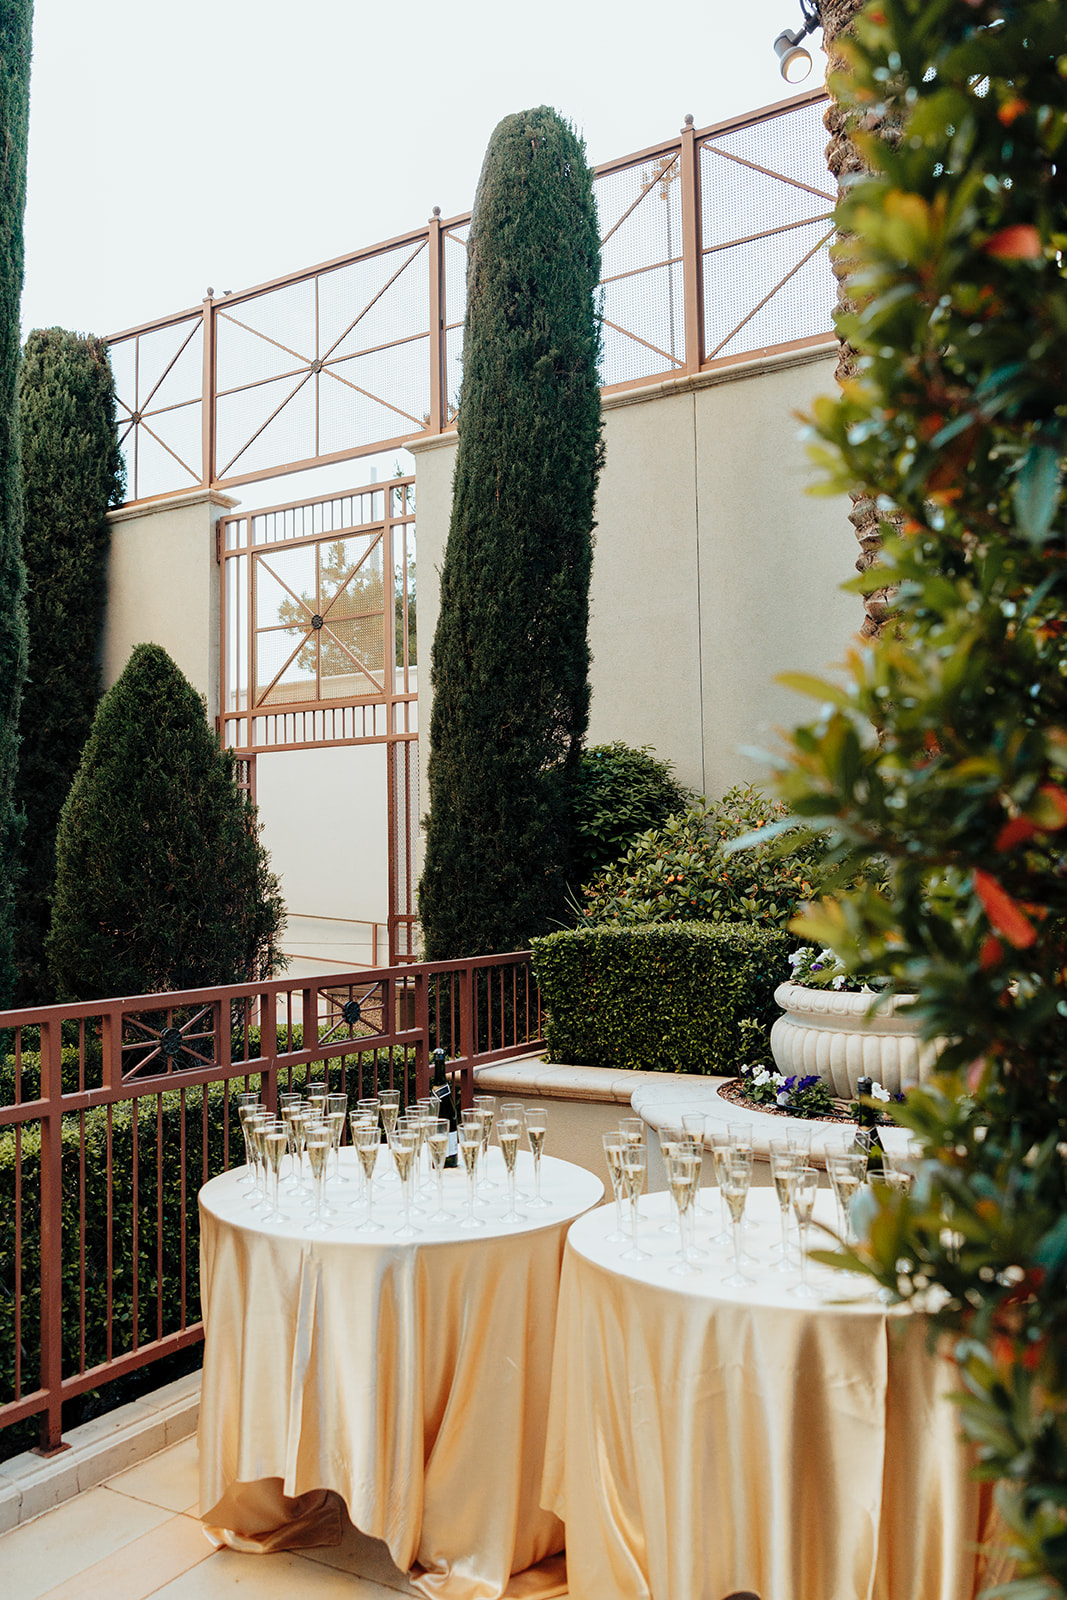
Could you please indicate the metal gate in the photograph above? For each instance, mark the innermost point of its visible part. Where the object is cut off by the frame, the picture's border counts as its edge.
(319, 649)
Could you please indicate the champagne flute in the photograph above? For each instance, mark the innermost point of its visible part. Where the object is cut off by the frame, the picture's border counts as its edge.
(670, 1138)
(368, 1142)
(805, 1185)
(846, 1175)
(634, 1164)
(632, 1130)
(720, 1155)
(470, 1148)
(693, 1125)
(536, 1132)
(337, 1107)
(360, 1119)
(735, 1188)
(256, 1125)
(683, 1176)
(437, 1140)
(319, 1144)
(275, 1145)
(509, 1130)
(486, 1104)
(612, 1143)
(316, 1096)
(389, 1109)
(785, 1162)
(247, 1107)
(403, 1145)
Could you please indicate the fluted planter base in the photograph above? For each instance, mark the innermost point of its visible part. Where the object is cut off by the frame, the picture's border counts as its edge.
(830, 1033)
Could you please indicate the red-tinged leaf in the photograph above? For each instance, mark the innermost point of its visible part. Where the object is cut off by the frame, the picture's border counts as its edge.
(1020, 242)
(1014, 832)
(1053, 811)
(1004, 912)
(992, 952)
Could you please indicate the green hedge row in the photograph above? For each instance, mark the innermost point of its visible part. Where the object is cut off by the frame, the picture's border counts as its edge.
(153, 1124)
(669, 997)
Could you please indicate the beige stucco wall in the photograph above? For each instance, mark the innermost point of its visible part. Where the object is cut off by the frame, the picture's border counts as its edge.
(163, 586)
(713, 569)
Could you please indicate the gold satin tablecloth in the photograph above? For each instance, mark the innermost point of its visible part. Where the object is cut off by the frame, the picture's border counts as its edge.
(704, 1440)
(408, 1378)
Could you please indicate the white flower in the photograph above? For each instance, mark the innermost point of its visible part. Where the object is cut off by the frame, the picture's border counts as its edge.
(839, 982)
(878, 1093)
(799, 955)
(762, 1077)
(777, 1078)
(782, 1098)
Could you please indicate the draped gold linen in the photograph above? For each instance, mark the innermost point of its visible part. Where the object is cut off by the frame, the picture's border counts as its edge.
(703, 1441)
(403, 1384)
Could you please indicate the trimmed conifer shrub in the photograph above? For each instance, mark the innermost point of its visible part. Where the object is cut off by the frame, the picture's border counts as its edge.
(72, 471)
(161, 879)
(510, 655)
(15, 20)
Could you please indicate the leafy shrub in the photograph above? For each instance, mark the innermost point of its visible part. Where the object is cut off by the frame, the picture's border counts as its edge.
(690, 997)
(162, 881)
(72, 470)
(619, 793)
(680, 873)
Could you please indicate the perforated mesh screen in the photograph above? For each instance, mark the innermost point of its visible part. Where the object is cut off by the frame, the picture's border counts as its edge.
(339, 362)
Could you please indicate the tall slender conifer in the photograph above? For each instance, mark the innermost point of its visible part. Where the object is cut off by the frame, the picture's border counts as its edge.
(16, 18)
(72, 471)
(510, 656)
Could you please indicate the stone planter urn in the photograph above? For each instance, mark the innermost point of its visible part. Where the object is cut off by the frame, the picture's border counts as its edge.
(828, 1032)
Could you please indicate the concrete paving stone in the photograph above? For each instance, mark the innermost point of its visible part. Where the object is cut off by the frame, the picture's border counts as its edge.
(168, 1479)
(39, 1555)
(141, 1567)
(282, 1576)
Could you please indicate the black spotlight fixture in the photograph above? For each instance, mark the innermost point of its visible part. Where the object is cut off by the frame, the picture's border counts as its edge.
(793, 60)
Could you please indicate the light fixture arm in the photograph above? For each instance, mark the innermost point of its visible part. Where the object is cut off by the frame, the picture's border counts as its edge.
(794, 60)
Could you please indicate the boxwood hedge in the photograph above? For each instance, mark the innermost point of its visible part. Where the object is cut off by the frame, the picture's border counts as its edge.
(665, 997)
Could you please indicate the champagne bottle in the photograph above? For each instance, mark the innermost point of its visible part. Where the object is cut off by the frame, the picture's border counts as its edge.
(867, 1127)
(443, 1093)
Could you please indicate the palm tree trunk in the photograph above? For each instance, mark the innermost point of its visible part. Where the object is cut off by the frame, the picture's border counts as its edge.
(844, 161)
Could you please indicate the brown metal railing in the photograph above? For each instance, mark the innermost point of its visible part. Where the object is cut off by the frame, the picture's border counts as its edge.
(114, 1112)
(713, 252)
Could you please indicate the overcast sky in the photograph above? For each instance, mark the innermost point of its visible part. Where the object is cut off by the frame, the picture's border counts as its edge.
(176, 146)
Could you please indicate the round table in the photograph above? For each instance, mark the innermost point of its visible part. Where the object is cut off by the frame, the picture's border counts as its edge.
(705, 1442)
(405, 1382)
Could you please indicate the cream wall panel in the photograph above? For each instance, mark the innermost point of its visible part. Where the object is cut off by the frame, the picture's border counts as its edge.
(163, 587)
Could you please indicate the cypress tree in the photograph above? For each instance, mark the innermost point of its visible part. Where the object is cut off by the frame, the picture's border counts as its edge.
(510, 654)
(16, 17)
(161, 879)
(72, 470)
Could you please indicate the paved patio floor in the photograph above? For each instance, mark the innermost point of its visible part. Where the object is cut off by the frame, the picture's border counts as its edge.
(137, 1534)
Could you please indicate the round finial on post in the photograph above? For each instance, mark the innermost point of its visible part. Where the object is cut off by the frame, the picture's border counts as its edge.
(436, 213)
(688, 120)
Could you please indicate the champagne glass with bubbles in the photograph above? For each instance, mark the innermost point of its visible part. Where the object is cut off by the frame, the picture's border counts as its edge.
(805, 1189)
(683, 1177)
(634, 1164)
(368, 1143)
(470, 1148)
(735, 1187)
(404, 1146)
(437, 1140)
(613, 1143)
(486, 1104)
(319, 1145)
(509, 1131)
(536, 1132)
